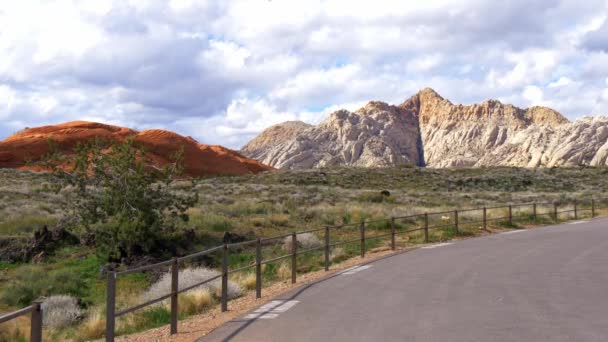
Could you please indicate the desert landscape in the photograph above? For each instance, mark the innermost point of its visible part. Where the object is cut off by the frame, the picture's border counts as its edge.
(296, 170)
(370, 165)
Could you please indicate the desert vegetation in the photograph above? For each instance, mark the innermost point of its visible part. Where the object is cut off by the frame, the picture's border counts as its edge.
(37, 264)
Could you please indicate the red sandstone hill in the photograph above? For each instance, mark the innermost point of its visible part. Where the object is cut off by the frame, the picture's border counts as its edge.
(199, 160)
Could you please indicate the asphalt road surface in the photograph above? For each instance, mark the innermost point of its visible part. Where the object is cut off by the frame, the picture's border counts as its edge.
(545, 284)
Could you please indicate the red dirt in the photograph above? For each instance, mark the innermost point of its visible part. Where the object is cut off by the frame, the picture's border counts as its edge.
(160, 146)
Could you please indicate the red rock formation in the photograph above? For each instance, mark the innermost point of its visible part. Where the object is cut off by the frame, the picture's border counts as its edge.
(160, 147)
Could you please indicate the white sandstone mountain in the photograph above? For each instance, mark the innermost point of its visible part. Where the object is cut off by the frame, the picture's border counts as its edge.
(428, 130)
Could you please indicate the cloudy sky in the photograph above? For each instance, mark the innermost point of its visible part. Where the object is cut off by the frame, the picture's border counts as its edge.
(221, 71)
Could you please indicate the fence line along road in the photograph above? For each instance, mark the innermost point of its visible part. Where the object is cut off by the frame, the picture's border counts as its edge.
(455, 216)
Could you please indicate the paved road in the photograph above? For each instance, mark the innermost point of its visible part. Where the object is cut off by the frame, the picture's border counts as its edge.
(546, 284)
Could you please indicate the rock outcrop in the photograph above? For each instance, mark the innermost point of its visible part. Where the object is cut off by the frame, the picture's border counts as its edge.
(375, 135)
(160, 146)
(428, 130)
(582, 142)
(459, 136)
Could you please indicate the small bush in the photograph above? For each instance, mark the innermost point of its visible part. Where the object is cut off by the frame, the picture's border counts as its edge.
(189, 277)
(25, 224)
(31, 282)
(279, 220)
(376, 197)
(60, 311)
(305, 241)
(194, 302)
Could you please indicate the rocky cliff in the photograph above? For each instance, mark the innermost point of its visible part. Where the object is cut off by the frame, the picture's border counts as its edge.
(160, 146)
(428, 130)
(375, 135)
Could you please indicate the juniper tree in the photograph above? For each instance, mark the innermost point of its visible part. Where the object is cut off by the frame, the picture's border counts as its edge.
(118, 197)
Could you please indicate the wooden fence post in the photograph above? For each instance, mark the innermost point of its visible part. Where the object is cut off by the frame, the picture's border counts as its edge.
(224, 299)
(36, 323)
(174, 294)
(575, 211)
(110, 306)
(327, 239)
(510, 215)
(592, 207)
(258, 269)
(294, 256)
(393, 232)
(555, 212)
(426, 227)
(534, 211)
(456, 221)
(485, 220)
(363, 239)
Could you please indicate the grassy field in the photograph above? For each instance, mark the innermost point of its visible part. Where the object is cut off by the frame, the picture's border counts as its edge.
(270, 204)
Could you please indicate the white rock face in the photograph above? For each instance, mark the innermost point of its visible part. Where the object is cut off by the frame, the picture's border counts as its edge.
(582, 142)
(459, 136)
(428, 130)
(373, 136)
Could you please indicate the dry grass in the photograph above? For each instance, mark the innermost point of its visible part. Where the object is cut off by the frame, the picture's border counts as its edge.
(284, 271)
(247, 281)
(15, 330)
(194, 302)
(94, 326)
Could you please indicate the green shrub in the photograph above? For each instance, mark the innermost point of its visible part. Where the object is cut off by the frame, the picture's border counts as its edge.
(31, 282)
(25, 224)
(113, 184)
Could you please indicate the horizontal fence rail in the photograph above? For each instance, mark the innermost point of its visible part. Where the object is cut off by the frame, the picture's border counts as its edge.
(35, 311)
(288, 244)
(447, 219)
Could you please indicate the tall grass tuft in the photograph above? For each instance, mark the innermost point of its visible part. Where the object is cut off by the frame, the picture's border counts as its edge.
(60, 311)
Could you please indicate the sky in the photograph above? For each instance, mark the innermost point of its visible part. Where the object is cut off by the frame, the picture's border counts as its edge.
(222, 71)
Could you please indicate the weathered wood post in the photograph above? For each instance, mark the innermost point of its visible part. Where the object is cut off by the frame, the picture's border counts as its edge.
(363, 239)
(36, 323)
(110, 305)
(258, 269)
(174, 294)
(485, 220)
(294, 256)
(575, 210)
(510, 215)
(534, 211)
(224, 299)
(592, 207)
(456, 221)
(327, 239)
(426, 227)
(555, 212)
(393, 233)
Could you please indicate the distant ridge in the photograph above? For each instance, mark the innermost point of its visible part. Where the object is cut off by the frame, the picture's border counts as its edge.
(160, 145)
(428, 130)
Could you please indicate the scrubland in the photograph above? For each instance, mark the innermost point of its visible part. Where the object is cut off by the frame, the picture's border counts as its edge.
(262, 205)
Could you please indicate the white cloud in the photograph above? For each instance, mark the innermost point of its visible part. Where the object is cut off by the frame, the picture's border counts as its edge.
(534, 95)
(224, 70)
(562, 81)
